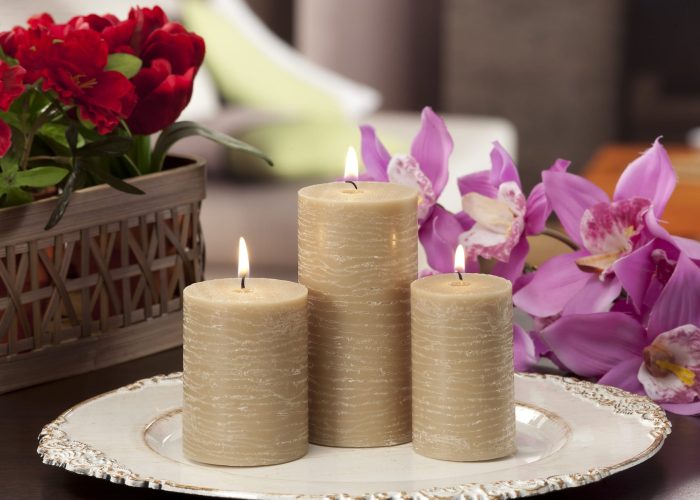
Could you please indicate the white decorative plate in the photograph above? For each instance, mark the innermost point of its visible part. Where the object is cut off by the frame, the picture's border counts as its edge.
(569, 433)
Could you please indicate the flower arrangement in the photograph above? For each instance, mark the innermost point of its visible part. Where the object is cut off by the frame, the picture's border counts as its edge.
(622, 308)
(80, 100)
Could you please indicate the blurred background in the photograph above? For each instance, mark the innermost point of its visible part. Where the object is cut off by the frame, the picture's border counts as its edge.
(594, 82)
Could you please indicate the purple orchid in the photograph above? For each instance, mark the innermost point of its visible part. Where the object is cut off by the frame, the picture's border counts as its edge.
(425, 167)
(612, 234)
(495, 222)
(659, 357)
(499, 217)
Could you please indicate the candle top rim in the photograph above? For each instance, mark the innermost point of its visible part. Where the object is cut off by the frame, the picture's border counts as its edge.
(473, 285)
(368, 192)
(258, 291)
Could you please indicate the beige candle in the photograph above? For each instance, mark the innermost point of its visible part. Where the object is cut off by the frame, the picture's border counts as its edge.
(462, 356)
(358, 257)
(245, 372)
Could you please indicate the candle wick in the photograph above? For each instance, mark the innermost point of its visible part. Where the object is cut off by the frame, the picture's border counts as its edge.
(460, 276)
(353, 183)
(243, 282)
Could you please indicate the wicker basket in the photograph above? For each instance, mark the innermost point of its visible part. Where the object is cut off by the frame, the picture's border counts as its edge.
(105, 285)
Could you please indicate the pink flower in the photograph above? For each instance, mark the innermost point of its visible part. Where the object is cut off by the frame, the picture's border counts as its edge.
(495, 222)
(499, 217)
(609, 232)
(425, 167)
(661, 358)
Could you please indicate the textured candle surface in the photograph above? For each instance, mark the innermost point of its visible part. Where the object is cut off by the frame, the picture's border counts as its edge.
(462, 356)
(358, 257)
(245, 372)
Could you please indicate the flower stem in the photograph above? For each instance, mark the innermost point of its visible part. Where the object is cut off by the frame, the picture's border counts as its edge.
(142, 153)
(553, 233)
(40, 120)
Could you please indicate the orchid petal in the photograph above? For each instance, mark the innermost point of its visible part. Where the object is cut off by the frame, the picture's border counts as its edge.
(682, 408)
(538, 207)
(524, 354)
(554, 284)
(635, 272)
(667, 388)
(678, 303)
(503, 167)
(432, 147)
(499, 223)
(650, 176)
(592, 344)
(427, 272)
(595, 296)
(683, 343)
(478, 182)
(522, 280)
(624, 375)
(570, 196)
(513, 269)
(404, 169)
(439, 236)
(689, 247)
(374, 154)
(609, 227)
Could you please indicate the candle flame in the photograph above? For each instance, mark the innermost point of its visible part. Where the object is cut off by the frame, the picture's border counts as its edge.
(243, 262)
(459, 259)
(351, 166)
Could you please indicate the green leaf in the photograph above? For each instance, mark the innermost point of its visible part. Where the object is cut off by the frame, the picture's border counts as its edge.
(9, 165)
(55, 135)
(103, 174)
(39, 177)
(126, 64)
(75, 181)
(180, 130)
(112, 146)
(14, 196)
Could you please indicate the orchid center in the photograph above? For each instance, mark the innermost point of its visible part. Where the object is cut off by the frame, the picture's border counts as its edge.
(404, 169)
(660, 362)
(609, 231)
(499, 222)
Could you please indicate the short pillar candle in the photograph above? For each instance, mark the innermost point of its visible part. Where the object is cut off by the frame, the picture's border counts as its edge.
(462, 357)
(245, 372)
(358, 257)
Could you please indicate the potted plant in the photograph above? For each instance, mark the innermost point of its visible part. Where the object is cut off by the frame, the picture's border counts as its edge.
(99, 228)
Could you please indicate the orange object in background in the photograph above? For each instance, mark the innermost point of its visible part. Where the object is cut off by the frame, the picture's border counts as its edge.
(682, 214)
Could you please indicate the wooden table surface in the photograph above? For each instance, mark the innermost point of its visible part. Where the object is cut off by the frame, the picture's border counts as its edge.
(674, 473)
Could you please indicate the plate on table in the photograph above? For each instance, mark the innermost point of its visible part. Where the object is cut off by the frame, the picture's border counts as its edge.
(569, 433)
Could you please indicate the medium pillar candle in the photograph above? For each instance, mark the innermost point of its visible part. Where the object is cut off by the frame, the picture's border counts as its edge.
(358, 257)
(462, 356)
(245, 372)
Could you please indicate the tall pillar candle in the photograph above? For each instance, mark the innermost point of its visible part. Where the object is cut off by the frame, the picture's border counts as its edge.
(462, 357)
(245, 372)
(358, 257)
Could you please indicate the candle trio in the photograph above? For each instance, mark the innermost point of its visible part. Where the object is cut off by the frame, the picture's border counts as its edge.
(385, 358)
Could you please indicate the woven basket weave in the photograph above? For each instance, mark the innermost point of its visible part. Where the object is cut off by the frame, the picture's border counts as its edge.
(103, 286)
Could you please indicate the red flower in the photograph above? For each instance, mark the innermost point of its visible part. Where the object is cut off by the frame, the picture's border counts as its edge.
(129, 35)
(71, 62)
(11, 84)
(5, 138)
(171, 57)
